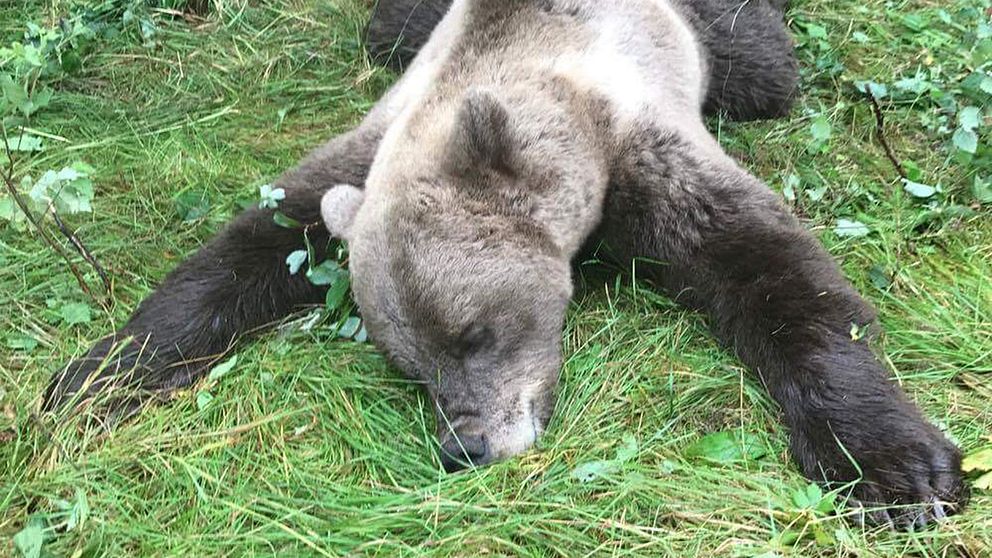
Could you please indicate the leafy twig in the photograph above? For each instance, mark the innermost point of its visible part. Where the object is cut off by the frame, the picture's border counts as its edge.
(8, 178)
(880, 130)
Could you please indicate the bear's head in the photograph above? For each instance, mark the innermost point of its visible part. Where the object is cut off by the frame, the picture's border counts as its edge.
(460, 286)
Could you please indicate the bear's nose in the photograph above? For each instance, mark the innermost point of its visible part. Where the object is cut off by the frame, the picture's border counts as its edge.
(461, 451)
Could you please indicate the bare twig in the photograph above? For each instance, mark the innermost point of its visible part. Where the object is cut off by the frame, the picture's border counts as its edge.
(81, 248)
(8, 179)
(880, 130)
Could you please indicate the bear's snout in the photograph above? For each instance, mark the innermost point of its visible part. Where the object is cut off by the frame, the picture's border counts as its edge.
(460, 451)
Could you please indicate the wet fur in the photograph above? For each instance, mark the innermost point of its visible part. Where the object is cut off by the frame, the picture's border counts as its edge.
(729, 248)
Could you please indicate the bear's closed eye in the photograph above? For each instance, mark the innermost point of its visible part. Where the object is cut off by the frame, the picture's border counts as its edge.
(474, 340)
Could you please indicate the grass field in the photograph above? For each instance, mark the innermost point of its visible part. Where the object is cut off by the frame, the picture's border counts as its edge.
(315, 446)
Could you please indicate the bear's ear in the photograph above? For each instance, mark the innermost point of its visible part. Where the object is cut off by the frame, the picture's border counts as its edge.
(338, 208)
(482, 134)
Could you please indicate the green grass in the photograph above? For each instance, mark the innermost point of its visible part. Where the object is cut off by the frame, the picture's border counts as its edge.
(316, 446)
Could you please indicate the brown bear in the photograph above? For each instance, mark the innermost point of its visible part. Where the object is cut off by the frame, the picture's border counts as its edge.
(521, 134)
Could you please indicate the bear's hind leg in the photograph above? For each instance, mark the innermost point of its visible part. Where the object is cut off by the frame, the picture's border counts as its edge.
(399, 28)
(753, 70)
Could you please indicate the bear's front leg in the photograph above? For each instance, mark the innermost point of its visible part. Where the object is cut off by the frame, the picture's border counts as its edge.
(723, 243)
(236, 283)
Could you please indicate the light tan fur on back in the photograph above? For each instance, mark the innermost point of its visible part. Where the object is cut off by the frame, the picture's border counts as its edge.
(585, 69)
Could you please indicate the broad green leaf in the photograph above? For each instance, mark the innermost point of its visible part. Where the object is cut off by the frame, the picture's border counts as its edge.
(33, 56)
(75, 197)
(72, 62)
(816, 194)
(75, 313)
(827, 504)
(82, 168)
(820, 129)
(40, 100)
(327, 273)
(337, 292)
(789, 537)
(878, 90)
(295, 261)
(628, 450)
(38, 191)
(965, 140)
(727, 447)
(986, 85)
(30, 539)
(362, 335)
(981, 189)
(286, 221)
(816, 31)
(9, 211)
(350, 327)
(984, 482)
(203, 400)
(812, 497)
(970, 118)
(915, 21)
(878, 277)
(69, 190)
(25, 142)
(221, 370)
(67, 174)
(192, 205)
(984, 31)
(913, 171)
(588, 472)
(980, 460)
(807, 497)
(79, 511)
(918, 190)
(13, 92)
(821, 535)
(847, 228)
(21, 342)
(916, 85)
(789, 189)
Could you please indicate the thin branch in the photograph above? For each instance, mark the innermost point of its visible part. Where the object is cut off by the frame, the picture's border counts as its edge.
(880, 131)
(81, 248)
